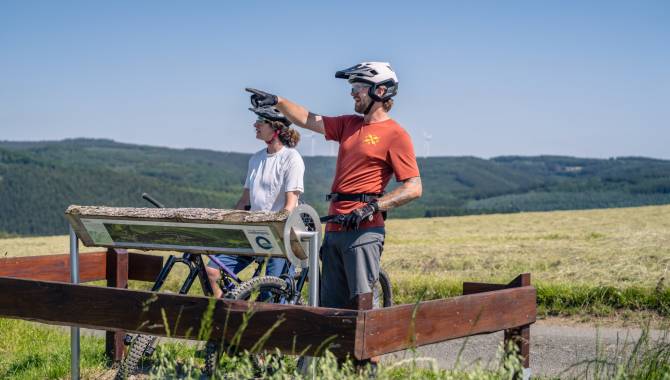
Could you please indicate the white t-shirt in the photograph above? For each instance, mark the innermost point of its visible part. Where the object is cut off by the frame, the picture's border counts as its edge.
(270, 176)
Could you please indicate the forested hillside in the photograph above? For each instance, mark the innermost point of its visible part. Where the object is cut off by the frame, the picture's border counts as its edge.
(38, 180)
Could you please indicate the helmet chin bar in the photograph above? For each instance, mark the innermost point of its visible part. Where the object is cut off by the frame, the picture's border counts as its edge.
(369, 107)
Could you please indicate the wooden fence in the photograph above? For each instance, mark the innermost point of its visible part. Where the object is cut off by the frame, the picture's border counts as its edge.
(116, 266)
(484, 308)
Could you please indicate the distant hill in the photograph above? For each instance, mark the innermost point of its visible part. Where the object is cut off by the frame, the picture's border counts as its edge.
(38, 180)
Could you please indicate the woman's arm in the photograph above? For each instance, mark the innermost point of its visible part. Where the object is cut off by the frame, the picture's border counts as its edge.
(244, 201)
(291, 200)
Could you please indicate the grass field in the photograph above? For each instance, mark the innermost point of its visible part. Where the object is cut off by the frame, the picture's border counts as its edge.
(622, 247)
(593, 261)
(596, 262)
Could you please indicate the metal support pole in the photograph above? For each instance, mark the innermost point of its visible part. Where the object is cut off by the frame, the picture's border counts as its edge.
(74, 278)
(313, 259)
(313, 269)
(308, 363)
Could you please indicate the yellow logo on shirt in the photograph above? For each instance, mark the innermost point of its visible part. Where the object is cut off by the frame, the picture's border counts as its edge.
(371, 139)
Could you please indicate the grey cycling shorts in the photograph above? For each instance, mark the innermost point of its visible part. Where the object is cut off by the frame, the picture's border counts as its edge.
(349, 264)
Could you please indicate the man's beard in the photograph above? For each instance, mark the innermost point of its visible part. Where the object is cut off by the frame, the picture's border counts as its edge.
(361, 106)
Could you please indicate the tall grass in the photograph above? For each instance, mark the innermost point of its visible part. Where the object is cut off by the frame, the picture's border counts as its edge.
(233, 364)
(645, 358)
(31, 351)
(328, 367)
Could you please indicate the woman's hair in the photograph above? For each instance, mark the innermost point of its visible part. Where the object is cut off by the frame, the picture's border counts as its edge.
(388, 104)
(288, 136)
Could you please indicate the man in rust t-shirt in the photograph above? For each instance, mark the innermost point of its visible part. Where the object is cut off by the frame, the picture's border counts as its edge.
(369, 154)
(373, 148)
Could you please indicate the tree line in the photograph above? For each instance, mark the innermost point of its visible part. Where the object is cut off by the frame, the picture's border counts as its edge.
(38, 180)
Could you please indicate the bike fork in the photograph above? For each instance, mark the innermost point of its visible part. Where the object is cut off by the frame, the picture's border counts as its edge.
(196, 269)
(160, 280)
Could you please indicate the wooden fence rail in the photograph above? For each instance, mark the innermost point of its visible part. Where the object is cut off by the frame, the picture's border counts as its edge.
(114, 265)
(363, 333)
(40, 292)
(93, 266)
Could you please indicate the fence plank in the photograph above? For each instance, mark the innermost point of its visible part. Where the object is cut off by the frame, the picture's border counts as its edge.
(480, 287)
(92, 267)
(400, 327)
(141, 312)
(54, 267)
(144, 267)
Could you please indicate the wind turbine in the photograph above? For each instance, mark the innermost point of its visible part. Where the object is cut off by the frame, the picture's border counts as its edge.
(426, 143)
(312, 136)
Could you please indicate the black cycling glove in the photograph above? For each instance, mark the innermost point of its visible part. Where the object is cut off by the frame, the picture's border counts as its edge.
(354, 219)
(261, 99)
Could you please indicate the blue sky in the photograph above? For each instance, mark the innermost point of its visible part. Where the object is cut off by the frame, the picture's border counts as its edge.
(483, 78)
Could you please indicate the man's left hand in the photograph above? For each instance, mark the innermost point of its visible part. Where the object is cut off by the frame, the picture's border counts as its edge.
(261, 98)
(354, 219)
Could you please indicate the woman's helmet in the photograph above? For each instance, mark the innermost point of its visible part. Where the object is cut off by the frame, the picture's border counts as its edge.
(375, 74)
(272, 114)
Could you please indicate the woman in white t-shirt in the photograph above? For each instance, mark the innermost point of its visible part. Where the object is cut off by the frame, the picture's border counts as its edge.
(274, 182)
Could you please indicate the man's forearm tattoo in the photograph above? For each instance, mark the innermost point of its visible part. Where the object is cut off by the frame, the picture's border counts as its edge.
(405, 193)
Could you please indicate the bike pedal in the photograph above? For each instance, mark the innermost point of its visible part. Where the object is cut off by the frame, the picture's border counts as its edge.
(127, 339)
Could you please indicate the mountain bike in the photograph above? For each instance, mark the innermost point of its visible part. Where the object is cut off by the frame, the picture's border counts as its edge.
(285, 289)
(274, 289)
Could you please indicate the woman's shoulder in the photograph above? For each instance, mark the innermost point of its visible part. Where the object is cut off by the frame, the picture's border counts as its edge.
(261, 153)
(292, 154)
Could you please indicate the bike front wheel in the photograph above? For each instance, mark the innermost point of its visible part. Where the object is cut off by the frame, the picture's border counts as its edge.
(140, 346)
(268, 289)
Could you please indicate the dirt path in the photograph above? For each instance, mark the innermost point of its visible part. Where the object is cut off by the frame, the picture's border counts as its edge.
(555, 349)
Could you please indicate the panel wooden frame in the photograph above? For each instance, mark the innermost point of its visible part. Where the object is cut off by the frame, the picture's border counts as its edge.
(74, 214)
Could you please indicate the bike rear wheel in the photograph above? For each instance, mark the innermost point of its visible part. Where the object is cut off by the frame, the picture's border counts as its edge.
(382, 293)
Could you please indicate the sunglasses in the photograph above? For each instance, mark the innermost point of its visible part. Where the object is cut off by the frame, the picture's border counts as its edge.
(357, 87)
(261, 120)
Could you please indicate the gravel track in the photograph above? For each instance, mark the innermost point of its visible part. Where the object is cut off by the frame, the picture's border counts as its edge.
(555, 350)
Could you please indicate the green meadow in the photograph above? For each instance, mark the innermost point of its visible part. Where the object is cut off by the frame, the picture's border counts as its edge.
(597, 263)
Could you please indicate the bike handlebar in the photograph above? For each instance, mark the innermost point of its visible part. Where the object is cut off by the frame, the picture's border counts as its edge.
(152, 200)
(332, 219)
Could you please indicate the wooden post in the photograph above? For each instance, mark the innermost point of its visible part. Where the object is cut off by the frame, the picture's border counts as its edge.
(117, 277)
(520, 336)
(363, 302)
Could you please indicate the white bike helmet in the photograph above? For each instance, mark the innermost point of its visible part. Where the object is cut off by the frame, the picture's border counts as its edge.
(375, 74)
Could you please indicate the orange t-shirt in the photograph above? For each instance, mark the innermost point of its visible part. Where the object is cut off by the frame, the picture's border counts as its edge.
(369, 154)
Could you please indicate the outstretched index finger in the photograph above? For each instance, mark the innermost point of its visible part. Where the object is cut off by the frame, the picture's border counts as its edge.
(254, 91)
